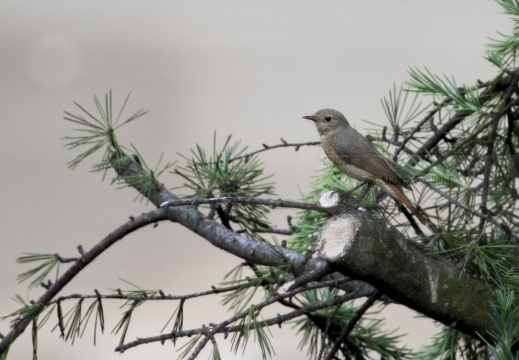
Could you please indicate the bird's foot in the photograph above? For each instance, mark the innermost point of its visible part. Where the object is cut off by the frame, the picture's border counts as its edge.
(368, 183)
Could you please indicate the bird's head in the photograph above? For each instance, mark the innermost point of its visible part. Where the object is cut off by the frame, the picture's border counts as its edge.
(328, 120)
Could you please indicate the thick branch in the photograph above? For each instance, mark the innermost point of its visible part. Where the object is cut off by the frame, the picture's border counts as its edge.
(365, 247)
(188, 216)
(378, 254)
(217, 234)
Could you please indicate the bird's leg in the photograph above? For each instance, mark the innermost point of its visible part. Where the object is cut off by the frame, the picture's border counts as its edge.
(345, 196)
(369, 183)
(355, 188)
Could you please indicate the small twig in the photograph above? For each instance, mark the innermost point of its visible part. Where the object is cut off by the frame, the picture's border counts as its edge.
(386, 140)
(66, 260)
(358, 314)
(270, 147)
(270, 230)
(161, 297)
(408, 137)
(324, 334)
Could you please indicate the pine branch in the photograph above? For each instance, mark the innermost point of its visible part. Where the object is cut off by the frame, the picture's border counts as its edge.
(358, 315)
(85, 259)
(383, 257)
(274, 203)
(271, 147)
(224, 327)
(131, 297)
(502, 83)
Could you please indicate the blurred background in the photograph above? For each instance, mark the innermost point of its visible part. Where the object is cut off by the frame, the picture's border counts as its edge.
(250, 69)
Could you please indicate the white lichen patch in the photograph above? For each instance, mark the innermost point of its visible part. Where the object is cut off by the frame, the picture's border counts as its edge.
(329, 199)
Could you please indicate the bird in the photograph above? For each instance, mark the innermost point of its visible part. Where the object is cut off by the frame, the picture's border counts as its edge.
(357, 157)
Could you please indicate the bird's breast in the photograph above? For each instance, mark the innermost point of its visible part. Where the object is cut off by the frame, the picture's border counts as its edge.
(342, 161)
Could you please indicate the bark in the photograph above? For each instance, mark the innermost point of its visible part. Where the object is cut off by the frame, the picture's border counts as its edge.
(366, 247)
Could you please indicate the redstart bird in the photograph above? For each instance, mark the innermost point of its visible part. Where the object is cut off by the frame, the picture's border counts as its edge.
(357, 157)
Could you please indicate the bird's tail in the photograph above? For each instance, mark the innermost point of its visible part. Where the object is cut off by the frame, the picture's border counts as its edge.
(398, 194)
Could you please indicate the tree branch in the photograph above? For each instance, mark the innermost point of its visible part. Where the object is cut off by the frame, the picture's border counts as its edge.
(499, 85)
(274, 203)
(367, 248)
(75, 269)
(354, 320)
(270, 147)
(368, 260)
(224, 327)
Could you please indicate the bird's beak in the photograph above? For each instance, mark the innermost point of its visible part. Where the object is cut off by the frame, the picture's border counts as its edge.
(311, 117)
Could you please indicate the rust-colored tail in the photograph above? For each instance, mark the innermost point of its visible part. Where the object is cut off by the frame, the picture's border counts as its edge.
(400, 196)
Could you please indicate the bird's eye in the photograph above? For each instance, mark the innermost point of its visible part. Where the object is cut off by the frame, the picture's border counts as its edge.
(328, 118)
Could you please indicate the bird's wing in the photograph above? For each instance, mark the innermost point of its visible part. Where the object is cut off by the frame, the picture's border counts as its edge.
(358, 151)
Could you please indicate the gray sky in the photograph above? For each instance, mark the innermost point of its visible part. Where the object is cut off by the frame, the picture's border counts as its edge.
(247, 68)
